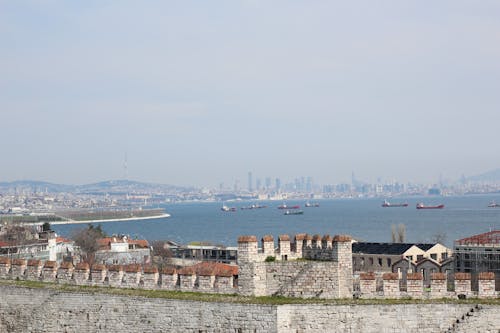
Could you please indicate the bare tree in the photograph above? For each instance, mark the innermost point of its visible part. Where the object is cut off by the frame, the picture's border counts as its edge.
(401, 233)
(86, 239)
(439, 237)
(398, 233)
(161, 253)
(393, 233)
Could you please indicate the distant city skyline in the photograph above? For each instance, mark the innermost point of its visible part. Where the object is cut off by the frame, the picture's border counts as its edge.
(199, 94)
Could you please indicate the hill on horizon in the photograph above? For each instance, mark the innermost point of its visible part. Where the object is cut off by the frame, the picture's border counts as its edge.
(42, 186)
(490, 176)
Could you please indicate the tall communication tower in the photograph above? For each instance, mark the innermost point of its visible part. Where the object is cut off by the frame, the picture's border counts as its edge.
(125, 168)
(125, 174)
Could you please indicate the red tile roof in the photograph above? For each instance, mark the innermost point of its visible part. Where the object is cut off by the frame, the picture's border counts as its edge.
(50, 264)
(105, 243)
(492, 237)
(66, 265)
(63, 240)
(414, 276)
(438, 276)
(139, 242)
(132, 268)
(462, 276)
(300, 237)
(4, 260)
(150, 269)
(34, 262)
(115, 268)
(268, 238)
(247, 239)
(390, 276)
(19, 262)
(169, 270)
(215, 268)
(98, 267)
(284, 238)
(82, 266)
(367, 276)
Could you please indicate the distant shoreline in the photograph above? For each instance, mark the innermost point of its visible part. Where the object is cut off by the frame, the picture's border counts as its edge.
(104, 220)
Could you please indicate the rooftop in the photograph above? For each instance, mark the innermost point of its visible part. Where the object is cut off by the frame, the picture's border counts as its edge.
(386, 248)
(491, 237)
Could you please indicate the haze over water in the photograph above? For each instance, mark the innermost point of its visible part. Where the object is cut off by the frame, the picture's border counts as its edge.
(364, 219)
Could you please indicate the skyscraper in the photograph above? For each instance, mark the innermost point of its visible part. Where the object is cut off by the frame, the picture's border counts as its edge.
(268, 183)
(250, 182)
(278, 184)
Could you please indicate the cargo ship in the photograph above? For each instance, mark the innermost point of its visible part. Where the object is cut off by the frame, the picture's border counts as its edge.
(225, 208)
(284, 206)
(294, 212)
(388, 204)
(422, 206)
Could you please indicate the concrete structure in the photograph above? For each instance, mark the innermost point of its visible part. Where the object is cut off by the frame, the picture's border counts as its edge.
(479, 253)
(123, 251)
(380, 257)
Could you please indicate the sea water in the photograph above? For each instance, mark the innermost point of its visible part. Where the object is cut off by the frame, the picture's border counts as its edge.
(364, 219)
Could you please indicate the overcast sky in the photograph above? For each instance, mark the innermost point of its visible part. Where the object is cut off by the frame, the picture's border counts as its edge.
(201, 92)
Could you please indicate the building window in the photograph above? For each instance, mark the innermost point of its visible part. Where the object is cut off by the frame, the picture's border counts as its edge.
(409, 258)
(371, 261)
(380, 262)
(420, 257)
(434, 256)
(444, 255)
(389, 262)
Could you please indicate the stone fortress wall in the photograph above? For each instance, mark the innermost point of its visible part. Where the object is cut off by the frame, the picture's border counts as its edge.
(118, 276)
(40, 310)
(307, 267)
(310, 266)
(321, 266)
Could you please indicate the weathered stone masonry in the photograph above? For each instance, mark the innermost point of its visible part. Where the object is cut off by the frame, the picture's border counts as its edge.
(51, 311)
(311, 266)
(308, 267)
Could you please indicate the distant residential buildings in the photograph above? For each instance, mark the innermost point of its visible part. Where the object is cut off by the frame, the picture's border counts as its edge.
(121, 250)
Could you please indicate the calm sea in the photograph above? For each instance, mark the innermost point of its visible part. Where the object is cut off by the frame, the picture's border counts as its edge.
(364, 219)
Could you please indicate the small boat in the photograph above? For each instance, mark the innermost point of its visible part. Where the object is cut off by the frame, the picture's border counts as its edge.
(422, 206)
(225, 208)
(314, 204)
(388, 204)
(294, 212)
(493, 204)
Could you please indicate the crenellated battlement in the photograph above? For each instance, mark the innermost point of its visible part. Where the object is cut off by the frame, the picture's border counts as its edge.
(303, 246)
(302, 266)
(440, 287)
(204, 277)
(305, 266)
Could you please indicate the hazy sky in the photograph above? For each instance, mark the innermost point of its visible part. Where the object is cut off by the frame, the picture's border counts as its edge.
(201, 92)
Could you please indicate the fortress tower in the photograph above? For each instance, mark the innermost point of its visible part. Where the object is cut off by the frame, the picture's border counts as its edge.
(326, 272)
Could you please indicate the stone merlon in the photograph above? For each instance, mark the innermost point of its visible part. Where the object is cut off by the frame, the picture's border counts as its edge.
(247, 239)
